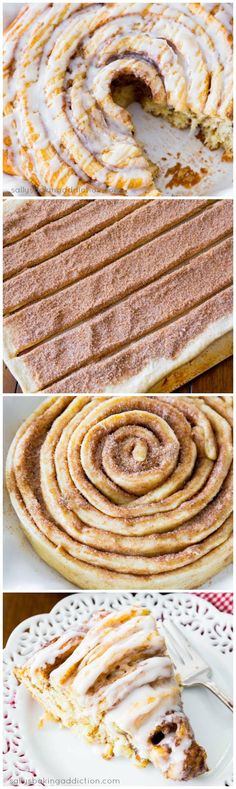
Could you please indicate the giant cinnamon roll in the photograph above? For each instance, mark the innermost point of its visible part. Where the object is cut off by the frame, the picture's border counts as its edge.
(70, 70)
(112, 680)
(127, 492)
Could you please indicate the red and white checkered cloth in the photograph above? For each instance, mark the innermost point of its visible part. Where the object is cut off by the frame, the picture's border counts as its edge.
(224, 601)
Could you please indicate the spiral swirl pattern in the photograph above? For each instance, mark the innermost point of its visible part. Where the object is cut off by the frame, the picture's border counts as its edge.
(131, 491)
(63, 66)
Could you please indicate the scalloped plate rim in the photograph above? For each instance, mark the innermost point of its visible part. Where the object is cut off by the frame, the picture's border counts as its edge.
(201, 602)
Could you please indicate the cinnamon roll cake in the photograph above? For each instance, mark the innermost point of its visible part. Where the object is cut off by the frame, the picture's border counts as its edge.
(130, 492)
(116, 295)
(111, 680)
(71, 70)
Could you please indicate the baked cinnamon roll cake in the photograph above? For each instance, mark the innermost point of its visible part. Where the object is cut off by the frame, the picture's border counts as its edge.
(70, 71)
(127, 492)
(112, 680)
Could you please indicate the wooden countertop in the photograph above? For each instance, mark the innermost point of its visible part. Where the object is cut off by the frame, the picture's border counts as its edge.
(18, 606)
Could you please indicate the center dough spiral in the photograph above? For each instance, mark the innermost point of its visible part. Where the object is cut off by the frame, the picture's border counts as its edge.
(130, 491)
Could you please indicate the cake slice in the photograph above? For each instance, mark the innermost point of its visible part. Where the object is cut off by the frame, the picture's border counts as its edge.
(112, 680)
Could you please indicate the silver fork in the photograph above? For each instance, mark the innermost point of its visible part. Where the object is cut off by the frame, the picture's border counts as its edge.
(191, 668)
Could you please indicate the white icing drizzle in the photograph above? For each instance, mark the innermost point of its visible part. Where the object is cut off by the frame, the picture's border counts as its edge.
(147, 671)
(142, 711)
(134, 632)
(48, 654)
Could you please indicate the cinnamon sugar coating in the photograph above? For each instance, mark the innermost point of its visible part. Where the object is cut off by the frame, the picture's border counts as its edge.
(115, 295)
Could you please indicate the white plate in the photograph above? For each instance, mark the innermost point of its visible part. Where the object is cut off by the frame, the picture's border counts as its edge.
(57, 754)
(164, 145)
(20, 560)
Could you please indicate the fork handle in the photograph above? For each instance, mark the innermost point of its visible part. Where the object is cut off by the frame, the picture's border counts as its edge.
(219, 693)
